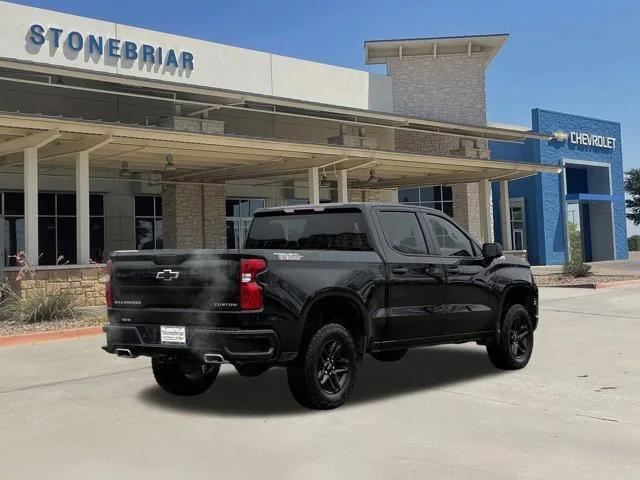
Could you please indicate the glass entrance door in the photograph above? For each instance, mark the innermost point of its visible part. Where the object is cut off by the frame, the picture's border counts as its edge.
(518, 226)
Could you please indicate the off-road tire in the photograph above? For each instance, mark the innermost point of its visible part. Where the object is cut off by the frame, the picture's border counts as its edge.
(308, 383)
(182, 378)
(389, 355)
(509, 353)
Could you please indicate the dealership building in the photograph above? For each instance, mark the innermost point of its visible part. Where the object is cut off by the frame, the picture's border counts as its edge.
(114, 137)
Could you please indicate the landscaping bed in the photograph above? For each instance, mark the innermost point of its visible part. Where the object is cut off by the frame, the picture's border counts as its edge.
(558, 280)
(9, 327)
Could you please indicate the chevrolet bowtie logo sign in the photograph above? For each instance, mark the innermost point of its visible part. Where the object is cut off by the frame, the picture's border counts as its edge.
(560, 136)
(167, 275)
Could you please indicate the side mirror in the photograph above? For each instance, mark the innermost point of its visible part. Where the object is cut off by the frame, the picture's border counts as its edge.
(491, 250)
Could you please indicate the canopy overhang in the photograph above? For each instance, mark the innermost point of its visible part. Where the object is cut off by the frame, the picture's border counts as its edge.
(195, 101)
(217, 158)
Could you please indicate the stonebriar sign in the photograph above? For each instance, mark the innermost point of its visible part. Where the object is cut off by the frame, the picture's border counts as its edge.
(97, 45)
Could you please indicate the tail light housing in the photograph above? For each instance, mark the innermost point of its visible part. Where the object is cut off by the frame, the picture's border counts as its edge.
(108, 291)
(251, 294)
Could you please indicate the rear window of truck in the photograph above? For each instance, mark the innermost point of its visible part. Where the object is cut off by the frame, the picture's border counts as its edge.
(345, 231)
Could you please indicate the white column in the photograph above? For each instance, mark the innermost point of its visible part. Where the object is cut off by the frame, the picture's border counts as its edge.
(31, 205)
(343, 191)
(82, 208)
(505, 215)
(314, 186)
(486, 231)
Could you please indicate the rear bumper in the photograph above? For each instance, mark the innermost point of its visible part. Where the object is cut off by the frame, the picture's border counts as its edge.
(239, 346)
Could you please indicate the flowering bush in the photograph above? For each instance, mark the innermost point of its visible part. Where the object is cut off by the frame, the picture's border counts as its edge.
(39, 305)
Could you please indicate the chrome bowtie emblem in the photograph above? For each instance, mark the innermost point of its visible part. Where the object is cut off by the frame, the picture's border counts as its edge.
(167, 275)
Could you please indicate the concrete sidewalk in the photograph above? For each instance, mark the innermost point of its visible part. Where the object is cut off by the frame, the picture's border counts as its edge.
(612, 267)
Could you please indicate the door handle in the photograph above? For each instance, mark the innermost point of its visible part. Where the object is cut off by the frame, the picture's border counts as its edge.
(451, 268)
(400, 271)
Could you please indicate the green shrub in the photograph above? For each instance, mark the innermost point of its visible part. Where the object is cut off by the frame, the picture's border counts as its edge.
(634, 243)
(575, 244)
(38, 306)
(576, 269)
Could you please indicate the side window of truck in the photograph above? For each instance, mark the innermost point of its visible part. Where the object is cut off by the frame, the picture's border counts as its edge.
(403, 232)
(450, 239)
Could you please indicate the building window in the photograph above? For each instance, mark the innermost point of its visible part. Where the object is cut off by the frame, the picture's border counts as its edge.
(56, 227)
(148, 222)
(13, 212)
(239, 215)
(296, 201)
(440, 198)
(518, 225)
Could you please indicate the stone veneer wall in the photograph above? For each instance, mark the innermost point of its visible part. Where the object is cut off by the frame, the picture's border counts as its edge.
(86, 282)
(448, 88)
(357, 195)
(194, 216)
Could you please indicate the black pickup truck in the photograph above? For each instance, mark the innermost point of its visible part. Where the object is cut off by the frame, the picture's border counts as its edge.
(315, 289)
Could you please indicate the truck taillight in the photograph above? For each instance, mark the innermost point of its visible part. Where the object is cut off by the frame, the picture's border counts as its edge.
(108, 292)
(250, 292)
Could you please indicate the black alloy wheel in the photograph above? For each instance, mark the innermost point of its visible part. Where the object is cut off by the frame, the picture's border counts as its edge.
(333, 367)
(519, 337)
(184, 377)
(514, 346)
(324, 373)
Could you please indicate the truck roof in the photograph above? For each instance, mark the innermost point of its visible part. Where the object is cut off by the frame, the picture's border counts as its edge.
(339, 206)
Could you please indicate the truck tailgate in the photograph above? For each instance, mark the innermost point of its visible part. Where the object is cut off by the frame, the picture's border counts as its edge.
(205, 280)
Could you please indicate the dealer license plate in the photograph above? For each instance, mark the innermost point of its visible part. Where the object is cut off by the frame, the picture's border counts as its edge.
(171, 334)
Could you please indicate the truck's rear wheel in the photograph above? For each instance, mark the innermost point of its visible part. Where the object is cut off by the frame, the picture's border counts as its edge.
(515, 345)
(251, 369)
(323, 375)
(184, 378)
(389, 355)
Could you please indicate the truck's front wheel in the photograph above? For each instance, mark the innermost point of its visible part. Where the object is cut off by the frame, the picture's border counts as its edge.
(182, 377)
(323, 375)
(515, 344)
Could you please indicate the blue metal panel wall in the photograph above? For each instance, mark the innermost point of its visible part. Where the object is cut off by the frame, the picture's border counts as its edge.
(546, 242)
(552, 153)
(523, 188)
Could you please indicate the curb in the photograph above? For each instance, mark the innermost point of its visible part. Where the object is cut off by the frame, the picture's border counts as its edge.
(620, 283)
(596, 286)
(40, 337)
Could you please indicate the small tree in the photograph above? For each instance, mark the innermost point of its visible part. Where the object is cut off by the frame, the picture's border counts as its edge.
(632, 186)
(575, 267)
(575, 244)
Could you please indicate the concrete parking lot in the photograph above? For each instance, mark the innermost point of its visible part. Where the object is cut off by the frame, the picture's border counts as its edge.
(69, 411)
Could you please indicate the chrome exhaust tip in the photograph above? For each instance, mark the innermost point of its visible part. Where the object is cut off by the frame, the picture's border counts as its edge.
(214, 358)
(125, 353)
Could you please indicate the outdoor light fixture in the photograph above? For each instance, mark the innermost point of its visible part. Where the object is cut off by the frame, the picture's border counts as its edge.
(124, 171)
(170, 166)
(372, 177)
(325, 181)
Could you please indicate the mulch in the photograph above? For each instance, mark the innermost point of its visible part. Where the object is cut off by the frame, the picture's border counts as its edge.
(17, 328)
(556, 280)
